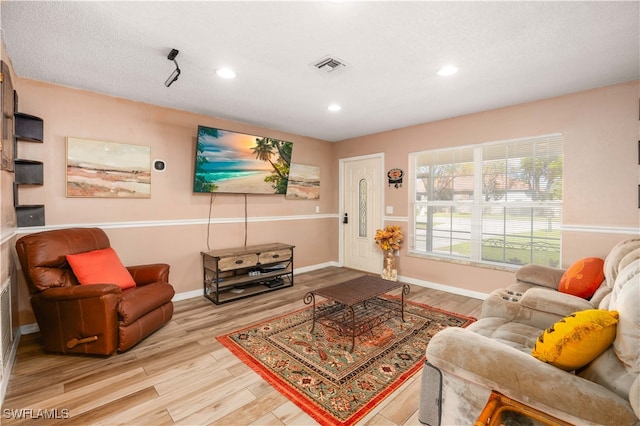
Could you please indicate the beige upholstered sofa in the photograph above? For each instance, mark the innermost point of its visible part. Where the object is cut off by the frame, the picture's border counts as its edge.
(494, 354)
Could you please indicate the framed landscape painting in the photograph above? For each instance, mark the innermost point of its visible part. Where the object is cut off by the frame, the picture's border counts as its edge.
(304, 182)
(107, 169)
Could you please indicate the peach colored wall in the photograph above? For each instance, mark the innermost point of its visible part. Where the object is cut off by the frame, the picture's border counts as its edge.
(171, 226)
(600, 171)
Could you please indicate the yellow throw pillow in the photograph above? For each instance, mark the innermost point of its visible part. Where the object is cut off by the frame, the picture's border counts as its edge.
(578, 339)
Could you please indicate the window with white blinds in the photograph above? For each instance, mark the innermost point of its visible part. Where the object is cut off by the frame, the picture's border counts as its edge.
(498, 202)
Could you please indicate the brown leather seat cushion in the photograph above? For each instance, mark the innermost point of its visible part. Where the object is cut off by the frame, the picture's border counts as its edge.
(130, 335)
(140, 300)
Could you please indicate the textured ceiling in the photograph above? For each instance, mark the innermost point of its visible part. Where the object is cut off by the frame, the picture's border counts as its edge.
(507, 52)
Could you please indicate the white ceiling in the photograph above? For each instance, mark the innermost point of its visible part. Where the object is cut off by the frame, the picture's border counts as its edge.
(507, 52)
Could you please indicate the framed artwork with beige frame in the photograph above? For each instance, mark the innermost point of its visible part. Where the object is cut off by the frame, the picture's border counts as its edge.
(107, 169)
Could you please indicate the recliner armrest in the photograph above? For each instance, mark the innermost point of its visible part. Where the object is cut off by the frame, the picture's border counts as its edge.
(147, 274)
(540, 275)
(77, 292)
(493, 365)
(78, 319)
(554, 302)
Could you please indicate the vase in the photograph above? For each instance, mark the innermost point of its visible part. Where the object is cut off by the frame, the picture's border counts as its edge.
(389, 266)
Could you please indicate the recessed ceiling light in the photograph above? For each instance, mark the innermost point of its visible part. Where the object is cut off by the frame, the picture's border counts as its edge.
(334, 107)
(447, 70)
(225, 73)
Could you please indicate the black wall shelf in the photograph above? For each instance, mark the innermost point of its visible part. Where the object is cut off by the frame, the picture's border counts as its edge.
(28, 128)
(29, 172)
(30, 215)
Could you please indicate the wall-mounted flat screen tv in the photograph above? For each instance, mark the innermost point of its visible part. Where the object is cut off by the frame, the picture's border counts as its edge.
(239, 163)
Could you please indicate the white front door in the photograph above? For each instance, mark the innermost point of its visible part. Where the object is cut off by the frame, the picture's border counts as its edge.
(361, 202)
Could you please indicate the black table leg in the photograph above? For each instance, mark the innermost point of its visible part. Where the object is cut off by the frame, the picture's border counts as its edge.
(310, 298)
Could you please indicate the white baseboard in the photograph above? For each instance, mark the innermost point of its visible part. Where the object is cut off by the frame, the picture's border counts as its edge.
(315, 267)
(442, 287)
(29, 328)
(187, 295)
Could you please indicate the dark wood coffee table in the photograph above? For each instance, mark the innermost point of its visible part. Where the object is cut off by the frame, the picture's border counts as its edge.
(355, 307)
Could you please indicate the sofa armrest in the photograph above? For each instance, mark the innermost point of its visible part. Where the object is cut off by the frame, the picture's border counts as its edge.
(147, 274)
(540, 275)
(518, 375)
(554, 302)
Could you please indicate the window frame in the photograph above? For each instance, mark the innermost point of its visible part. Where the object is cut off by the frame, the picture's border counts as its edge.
(477, 205)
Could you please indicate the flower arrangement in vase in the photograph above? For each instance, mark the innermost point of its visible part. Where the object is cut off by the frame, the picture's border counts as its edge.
(389, 240)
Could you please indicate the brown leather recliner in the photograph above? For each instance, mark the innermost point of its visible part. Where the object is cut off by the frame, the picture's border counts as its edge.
(90, 319)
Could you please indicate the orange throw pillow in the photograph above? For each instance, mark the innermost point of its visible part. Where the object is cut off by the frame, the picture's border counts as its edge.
(583, 278)
(100, 267)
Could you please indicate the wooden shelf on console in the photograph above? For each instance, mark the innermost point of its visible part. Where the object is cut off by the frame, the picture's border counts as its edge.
(238, 273)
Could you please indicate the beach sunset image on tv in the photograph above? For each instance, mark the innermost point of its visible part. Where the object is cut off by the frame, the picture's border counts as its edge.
(240, 163)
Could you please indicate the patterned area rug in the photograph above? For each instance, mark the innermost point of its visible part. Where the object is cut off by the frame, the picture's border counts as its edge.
(318, 373)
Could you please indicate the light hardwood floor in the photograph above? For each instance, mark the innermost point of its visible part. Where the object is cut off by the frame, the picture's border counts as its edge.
(182, 375)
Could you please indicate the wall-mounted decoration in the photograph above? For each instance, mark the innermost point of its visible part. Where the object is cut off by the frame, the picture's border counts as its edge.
(7, 146)
(107, 169)
(395, 177)
(304, 182)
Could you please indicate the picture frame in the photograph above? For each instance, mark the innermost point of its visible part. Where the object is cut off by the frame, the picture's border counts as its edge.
(304, 182)
(107, 169)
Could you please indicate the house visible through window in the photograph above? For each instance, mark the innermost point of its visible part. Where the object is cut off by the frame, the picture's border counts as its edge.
(498, 202)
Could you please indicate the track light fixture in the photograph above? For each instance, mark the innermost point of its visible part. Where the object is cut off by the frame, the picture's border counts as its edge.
(174, 75)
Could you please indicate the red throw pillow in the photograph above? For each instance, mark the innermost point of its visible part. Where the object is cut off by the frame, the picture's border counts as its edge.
(583, 278)
(100, 267)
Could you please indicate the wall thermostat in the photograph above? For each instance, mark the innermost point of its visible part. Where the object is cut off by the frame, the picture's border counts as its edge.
(159, 165)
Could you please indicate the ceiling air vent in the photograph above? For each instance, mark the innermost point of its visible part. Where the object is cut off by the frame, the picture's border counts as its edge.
(329, 64)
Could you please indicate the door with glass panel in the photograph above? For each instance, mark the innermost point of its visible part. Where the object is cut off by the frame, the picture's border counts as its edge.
(361, 212)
